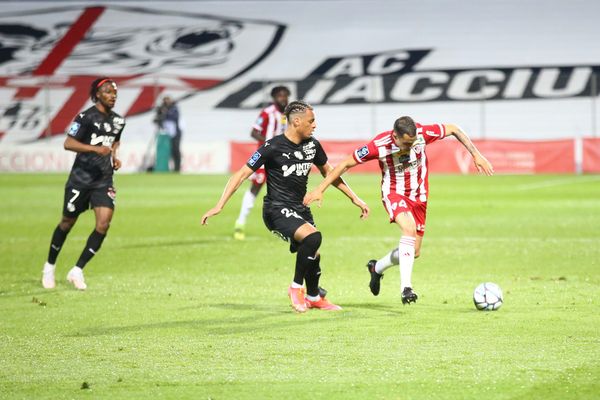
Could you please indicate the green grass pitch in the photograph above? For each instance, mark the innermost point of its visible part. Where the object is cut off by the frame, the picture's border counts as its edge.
(176, 310)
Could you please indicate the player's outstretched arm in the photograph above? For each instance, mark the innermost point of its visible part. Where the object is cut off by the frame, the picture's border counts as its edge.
(75, 145)
(317, 194)
(343, 187)
(481, 163)
(232, 185)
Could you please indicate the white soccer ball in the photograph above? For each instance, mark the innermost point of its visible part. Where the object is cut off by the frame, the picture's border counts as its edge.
(488, 297)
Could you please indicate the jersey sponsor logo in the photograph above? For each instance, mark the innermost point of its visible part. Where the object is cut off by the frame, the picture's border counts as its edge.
(197, 51)
(398, 76)
(253, 159)
(301, 169)
(408, 165)
(362, 152)
(74, 128)
(105, 140)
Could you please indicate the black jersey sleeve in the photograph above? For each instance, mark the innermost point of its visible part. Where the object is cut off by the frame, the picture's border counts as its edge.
(118, 137)
(320, 156)
(119, 123)
(80, 128)
(260, 156)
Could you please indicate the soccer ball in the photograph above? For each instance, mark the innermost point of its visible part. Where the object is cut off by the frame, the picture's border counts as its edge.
(488, 297)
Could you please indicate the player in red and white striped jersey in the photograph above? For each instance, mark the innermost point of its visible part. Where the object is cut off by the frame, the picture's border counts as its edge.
(270, 122)
(404, 188)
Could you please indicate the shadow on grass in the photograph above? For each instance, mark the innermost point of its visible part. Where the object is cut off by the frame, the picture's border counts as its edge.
(376, 307)
(262, 319)
(172, 243)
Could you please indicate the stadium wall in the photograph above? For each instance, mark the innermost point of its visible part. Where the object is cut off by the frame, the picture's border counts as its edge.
(500, 70)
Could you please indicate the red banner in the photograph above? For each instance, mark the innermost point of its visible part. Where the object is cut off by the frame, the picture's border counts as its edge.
(591, 155)
(449, 156)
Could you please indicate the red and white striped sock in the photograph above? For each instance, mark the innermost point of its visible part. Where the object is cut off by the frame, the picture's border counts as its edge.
(406, 251)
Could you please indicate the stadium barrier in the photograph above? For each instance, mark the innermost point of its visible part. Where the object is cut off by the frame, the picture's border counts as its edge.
(449, 156)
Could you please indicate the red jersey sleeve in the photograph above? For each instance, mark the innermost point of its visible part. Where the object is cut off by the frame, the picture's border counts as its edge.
(366, 152)
(431, 133)
(261, 123)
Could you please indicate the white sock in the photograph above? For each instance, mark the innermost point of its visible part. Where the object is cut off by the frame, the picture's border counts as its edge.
(313, 298)
(406, 251)
(296, 285)
(387, 261)
(247, 204)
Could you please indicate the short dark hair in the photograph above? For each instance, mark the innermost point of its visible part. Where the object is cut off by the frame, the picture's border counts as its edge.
(278, 89)
(405, 125)
(296, 107)
(96, 85)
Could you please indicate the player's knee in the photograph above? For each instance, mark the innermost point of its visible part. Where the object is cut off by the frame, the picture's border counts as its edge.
(312, 242)
(66, 223)
(102, 226)
(409, 230)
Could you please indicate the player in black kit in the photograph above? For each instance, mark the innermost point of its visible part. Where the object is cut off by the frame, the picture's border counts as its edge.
(288, 159)
(94, 136)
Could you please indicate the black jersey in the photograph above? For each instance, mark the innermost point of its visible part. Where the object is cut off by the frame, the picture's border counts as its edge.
(93, 127)
(287, 165)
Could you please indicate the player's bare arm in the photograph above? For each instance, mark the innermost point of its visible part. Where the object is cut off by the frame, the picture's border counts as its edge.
(343, 187)
(115, 160)
(336, 173)
(76, 146)
(256, 135)
(481, 163)
(232, 185)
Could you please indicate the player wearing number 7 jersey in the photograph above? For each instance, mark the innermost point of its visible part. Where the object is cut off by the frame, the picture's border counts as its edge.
(95, 136)
(404, 189)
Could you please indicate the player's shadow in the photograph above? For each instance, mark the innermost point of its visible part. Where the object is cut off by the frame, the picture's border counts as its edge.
(172, 243)
(375, 307)
(260, 319)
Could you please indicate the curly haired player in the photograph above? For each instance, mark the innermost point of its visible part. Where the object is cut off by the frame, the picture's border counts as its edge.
(95, 136)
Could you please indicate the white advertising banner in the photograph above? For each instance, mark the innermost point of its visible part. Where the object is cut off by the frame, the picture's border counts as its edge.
(501, 70)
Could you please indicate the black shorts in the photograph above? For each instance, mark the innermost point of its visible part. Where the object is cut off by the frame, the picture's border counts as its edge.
(284, 220)
(79, 200)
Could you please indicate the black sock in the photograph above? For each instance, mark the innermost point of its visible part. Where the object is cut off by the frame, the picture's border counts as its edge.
(312, 277)
(58, 238)
(91, 247)
(305, 257)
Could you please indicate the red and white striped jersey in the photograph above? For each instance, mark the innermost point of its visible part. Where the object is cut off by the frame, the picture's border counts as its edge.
(405, 173)
(270, 122)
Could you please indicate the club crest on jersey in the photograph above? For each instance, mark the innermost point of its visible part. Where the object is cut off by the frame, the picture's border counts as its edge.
(74, 128)
(253, 159)
(107, 127)
(362, 152)
(299, 155)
